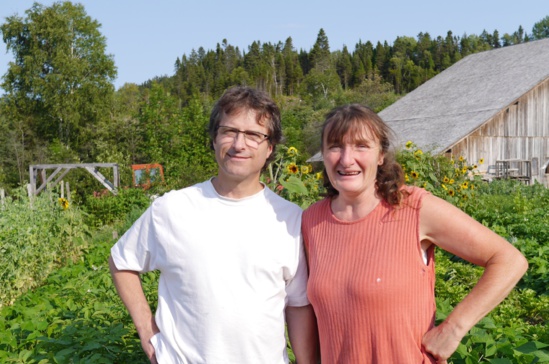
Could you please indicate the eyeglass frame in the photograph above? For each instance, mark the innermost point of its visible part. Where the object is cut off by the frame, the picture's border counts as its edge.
(246, 133)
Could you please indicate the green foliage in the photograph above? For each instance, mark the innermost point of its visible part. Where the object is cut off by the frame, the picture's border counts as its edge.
(75, 317)
(36, 237)
(108, 209)
(541, 29)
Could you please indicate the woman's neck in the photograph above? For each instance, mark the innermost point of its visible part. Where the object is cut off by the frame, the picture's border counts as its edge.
(352, 209)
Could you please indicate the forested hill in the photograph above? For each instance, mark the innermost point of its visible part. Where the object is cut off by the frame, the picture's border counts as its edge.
(60, 105)
(280, 69)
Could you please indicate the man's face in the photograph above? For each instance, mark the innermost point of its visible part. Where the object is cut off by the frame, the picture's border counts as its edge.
(241, 156)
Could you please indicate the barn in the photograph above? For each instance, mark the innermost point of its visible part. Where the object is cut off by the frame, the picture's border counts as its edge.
(492, 105)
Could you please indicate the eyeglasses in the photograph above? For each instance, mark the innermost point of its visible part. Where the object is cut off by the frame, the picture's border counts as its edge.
(252, 138)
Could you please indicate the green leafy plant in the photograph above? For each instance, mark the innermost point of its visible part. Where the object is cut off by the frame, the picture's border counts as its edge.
(453, 180)
(293, 179)
(37, 236)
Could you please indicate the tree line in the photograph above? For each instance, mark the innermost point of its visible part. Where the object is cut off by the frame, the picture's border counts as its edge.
(60, 105)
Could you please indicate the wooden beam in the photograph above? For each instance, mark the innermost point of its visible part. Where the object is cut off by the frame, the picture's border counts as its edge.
(104, 181)
(60, 170)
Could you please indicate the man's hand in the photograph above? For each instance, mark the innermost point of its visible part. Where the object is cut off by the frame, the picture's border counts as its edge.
(128, 286)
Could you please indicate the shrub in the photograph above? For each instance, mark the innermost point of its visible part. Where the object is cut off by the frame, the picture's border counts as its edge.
(107, 209)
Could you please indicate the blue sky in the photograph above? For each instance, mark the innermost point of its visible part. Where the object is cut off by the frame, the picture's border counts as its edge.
(145, 36)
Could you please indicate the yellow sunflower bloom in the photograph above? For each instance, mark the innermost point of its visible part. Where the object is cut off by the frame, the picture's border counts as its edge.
(451, 181)
(446, 179)
(318, 175)
(465, 185)
(451, 192)
(414, 174)
(444, 187)
(304, 169)
(409, 144)
(64, 203)
(292, 151)
(461, 158)
(292, 168)
(481, 161)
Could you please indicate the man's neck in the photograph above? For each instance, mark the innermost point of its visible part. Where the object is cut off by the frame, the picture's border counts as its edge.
(236, 190)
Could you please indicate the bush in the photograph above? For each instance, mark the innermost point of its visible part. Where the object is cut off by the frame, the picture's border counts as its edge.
(107, 209)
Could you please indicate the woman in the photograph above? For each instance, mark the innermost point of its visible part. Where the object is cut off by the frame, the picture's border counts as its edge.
(370, 248)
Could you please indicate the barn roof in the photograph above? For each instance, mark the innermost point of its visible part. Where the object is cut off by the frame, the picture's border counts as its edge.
(459, 100)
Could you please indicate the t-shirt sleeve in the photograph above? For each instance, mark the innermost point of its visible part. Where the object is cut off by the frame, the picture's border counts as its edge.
(296, 288)
(134, 251)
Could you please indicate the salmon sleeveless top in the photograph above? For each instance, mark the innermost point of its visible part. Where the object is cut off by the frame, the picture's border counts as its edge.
(372, 293)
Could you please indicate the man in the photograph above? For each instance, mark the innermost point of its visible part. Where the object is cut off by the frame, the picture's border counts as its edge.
(229, 252)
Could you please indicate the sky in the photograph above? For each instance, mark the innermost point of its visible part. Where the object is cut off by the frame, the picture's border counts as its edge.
(146, 37)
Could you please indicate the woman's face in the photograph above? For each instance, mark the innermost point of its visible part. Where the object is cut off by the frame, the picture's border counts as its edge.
(351, 165)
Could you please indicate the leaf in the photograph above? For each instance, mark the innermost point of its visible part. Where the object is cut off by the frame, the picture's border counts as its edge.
(531, 347)
(295, 185)
(500, 361)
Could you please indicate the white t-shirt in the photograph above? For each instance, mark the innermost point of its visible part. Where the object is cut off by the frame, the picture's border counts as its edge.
(228, 269)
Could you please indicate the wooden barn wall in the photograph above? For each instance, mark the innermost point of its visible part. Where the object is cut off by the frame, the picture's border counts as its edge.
(520, 131)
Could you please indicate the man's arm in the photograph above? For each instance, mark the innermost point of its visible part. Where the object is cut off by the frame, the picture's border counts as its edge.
(128, 286)
(303, 333)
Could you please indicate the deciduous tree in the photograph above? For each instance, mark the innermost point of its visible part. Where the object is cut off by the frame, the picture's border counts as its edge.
(60, 81)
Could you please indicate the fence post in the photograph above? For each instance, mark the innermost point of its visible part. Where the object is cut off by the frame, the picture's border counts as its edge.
(30, 193)
(68, 191)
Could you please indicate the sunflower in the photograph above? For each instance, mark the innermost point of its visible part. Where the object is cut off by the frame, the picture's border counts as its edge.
(481, 161)
(461, 158)
(318, 175)
(292, 151)
(418, 152)
(446, 179)
(451, 181)
(451, 192)
(444, 187)
(414, 174)
(292, 168)
(409, 144)
(406, 178)
(64, 203)
(305, 169)
(465, 185)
